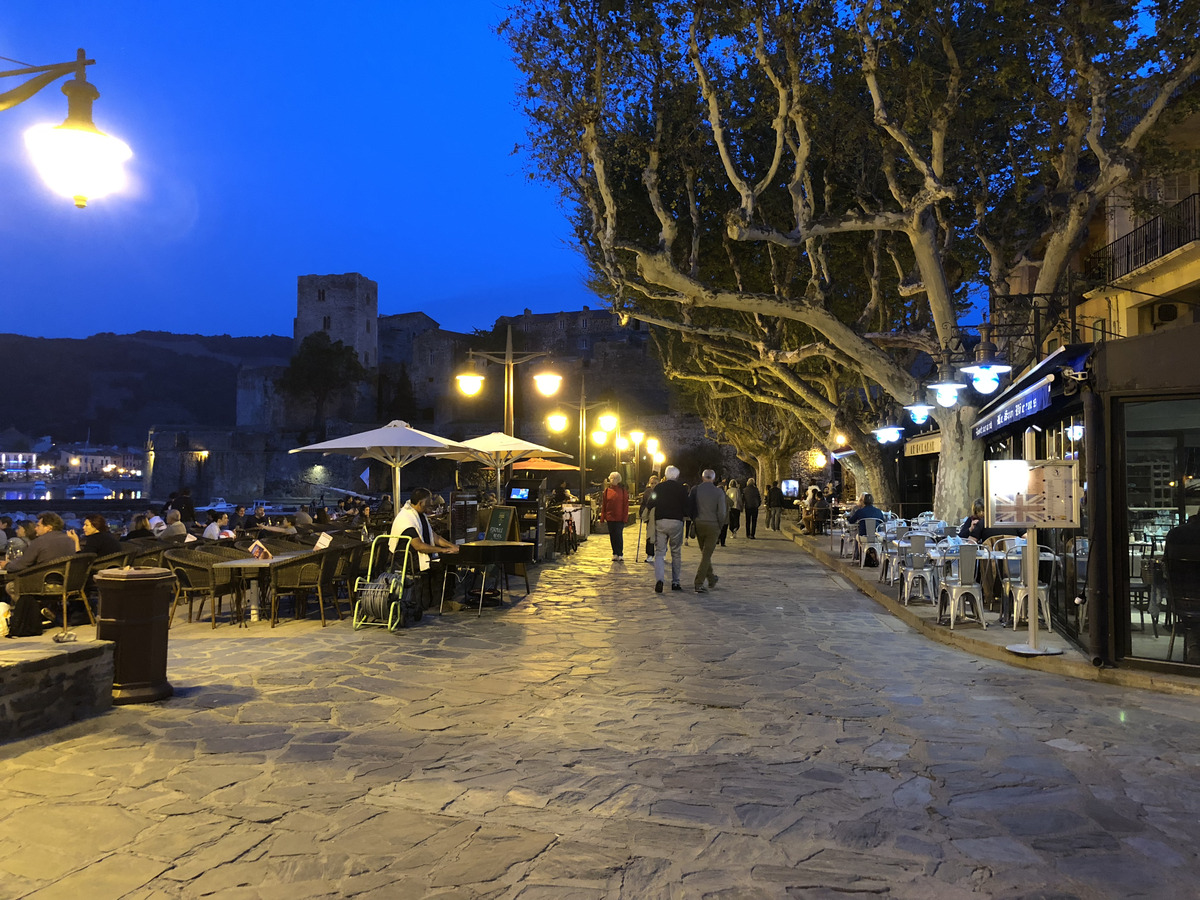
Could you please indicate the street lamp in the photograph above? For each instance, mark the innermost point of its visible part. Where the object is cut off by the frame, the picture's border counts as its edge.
(470, 381)
(557, 422)
(75, 159)
(637, 436)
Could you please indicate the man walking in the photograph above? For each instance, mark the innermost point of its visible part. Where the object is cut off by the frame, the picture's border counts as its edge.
(668, 503)
(752, 498)
(774, 506)
(709, 510)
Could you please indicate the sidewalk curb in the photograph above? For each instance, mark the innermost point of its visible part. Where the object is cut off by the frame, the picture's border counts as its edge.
(1070, 663)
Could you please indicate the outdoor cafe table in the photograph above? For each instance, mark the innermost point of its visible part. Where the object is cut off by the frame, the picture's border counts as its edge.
(258, 566)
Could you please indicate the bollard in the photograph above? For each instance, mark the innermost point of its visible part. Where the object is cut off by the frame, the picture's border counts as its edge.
(135, 608)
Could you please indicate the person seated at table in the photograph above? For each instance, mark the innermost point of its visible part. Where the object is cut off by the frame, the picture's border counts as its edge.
(175, 531)
(139, 528)
(217, 527)
(23, 537)
(321, 517)
(562, 494)
(866, 509)
(972, 526)
(259, 519)
(288, 526)
(237, 521)
(814, 511)
(413, 522)
(97, 538)
(50, 542)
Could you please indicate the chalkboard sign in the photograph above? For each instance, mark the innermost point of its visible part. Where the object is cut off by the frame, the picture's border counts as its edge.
(501, 524)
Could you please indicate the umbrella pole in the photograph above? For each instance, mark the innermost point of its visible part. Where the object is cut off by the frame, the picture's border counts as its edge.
(396, 488)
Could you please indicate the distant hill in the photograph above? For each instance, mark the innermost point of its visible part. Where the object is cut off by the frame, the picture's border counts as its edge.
(118, 385)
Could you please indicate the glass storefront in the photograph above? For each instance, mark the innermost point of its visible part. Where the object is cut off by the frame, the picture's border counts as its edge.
(1158, 488)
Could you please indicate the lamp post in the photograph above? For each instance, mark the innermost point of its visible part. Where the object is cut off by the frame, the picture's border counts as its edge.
(557, 423)
(75, 159)
(471, 381)
(637, 436)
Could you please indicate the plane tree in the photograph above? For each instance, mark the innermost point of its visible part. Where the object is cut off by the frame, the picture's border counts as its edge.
(721, 160)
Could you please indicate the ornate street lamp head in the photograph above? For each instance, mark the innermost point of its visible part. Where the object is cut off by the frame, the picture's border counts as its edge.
(76, 159)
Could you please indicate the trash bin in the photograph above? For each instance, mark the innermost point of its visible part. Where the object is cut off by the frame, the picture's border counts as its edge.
(135, 608)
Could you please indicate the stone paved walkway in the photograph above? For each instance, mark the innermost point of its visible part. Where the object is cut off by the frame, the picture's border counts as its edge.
(782, 736)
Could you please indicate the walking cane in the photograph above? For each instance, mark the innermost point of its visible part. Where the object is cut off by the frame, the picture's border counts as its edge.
(638, 547)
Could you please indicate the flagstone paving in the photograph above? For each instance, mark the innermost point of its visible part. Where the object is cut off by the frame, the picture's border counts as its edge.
(780, 737)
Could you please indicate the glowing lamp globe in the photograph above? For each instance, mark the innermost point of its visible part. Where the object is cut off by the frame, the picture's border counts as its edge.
(985, 378)
(470, 383)
(557, 422)
(599, 436)
(79, 164)
(888, 434)
(919, 412)
(608, 422)
(547, 383)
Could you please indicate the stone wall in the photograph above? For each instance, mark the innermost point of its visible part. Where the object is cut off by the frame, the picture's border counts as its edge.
(45, 686)
(345, 307)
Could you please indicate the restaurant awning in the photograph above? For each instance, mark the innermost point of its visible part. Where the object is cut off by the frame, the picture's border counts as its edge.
(1033, 391)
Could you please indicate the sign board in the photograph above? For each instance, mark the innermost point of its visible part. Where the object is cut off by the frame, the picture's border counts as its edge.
(1031, 493)
(920, 446)
(501, 524)
(1031, 400)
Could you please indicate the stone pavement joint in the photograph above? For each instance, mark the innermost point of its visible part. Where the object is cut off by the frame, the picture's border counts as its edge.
(780, 736)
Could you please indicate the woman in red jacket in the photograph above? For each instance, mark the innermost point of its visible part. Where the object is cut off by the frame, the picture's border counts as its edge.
(614, 509)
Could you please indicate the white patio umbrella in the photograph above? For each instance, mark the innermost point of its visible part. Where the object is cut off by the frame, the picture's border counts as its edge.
(498, 450)
(396, 443)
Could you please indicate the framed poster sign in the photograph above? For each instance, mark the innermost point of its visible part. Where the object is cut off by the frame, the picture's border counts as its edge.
(1036, 493)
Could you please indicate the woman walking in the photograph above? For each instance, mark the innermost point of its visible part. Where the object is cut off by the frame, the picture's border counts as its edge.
(614, 509)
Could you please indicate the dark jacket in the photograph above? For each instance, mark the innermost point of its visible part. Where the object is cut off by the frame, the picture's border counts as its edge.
(752, 496)
(51, 545)
(669, 500)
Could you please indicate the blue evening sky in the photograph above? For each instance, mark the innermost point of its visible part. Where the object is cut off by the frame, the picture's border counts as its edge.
(273, 139)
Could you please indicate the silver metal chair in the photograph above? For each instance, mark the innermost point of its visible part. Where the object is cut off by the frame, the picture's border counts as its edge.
(960, 584)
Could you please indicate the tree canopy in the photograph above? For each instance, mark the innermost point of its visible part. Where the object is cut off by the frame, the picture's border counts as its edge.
(810, 195)
(321, 370)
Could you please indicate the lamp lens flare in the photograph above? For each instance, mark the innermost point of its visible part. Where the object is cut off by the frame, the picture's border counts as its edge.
(470, 384)
(888, 435)
(76, 162)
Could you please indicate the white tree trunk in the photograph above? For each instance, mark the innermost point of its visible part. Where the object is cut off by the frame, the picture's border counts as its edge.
(960, 464)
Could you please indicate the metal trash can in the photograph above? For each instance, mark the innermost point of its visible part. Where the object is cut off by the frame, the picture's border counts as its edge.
(135, 609)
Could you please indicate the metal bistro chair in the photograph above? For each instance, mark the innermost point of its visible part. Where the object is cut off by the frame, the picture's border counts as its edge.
(1143, 593)
(870, 538)
(63, 579)
(890, 569)
(960, 584)
(1020, 592)
(918, 569)
(1182, 570)
(310, 573)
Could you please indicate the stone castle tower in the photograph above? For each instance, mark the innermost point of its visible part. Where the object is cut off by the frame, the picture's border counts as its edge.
(346, 307)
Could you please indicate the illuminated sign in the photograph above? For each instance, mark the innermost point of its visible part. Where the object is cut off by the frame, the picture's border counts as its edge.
(1030, 401)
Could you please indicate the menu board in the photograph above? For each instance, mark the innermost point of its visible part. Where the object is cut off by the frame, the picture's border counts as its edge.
(1032, 493)
(500, 524)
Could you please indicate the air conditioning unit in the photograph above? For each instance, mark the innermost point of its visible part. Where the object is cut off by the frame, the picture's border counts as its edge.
(1163, 314)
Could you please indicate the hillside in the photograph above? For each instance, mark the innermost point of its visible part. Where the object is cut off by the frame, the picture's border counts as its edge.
(118, 385)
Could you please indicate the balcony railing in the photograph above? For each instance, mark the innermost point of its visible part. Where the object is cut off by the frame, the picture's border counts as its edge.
(1178, 226)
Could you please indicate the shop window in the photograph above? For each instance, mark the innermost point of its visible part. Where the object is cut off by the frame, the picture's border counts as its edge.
(1160, 489)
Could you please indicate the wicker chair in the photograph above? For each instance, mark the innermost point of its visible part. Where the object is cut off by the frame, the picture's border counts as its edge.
(298, 577)
(64, 579)
(349, 565)
(194, 569)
